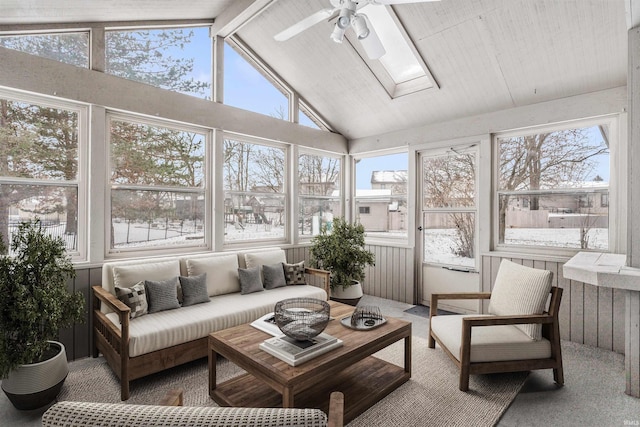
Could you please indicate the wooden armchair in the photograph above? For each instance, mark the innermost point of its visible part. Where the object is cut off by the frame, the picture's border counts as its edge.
(520, 333)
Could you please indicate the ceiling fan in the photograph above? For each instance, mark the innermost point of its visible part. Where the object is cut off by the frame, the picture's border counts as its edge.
(348, 16)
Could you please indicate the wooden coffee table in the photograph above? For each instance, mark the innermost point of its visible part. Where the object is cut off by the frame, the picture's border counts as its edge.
(270, 382)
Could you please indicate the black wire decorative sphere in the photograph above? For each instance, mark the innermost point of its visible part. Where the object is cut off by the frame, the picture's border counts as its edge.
(302, 318)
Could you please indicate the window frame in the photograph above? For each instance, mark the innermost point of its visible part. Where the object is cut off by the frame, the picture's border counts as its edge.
(232, 244)
(616, 171)
(300, 151)
(472, 210)
(81, 182)
(380, 239)
(206, 189)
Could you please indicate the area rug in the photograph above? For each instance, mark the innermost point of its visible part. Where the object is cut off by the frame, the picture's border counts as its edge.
(431, 397)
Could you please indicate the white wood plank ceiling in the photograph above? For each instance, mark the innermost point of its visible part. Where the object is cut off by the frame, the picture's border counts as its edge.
(486, 55)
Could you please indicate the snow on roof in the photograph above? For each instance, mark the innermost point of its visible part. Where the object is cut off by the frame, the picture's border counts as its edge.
(388, 176)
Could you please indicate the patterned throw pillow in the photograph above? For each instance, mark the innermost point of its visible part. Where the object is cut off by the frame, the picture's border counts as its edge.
(294, 273)
(250, 280)
(194, 289)
(135, 298)
(163, 295)
(273, 276)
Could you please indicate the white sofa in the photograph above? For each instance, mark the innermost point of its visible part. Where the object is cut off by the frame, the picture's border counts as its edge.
(139, 346)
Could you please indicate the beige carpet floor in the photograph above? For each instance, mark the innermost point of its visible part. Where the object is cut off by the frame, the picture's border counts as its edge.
(431, 397)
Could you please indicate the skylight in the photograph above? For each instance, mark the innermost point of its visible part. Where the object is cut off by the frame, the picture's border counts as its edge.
(403, 71)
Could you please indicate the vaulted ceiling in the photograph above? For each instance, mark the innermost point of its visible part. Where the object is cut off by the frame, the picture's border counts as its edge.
(485, 55)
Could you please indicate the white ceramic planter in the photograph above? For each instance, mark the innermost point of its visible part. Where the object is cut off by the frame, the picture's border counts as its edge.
(35, 385)
(352, 292)
(350, 295)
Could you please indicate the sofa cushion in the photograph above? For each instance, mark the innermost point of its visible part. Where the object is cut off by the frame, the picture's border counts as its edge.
(294, 273)
(489, 343)
(194, 289)
(520, 290)
(127, 274)
(135, 298)
(273, 276)
(264, 257)
(250, 280)
(168, 328)
(162, 295)
(221, 269)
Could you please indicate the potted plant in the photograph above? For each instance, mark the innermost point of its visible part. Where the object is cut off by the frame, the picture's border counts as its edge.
(35, 305)
(339, 249)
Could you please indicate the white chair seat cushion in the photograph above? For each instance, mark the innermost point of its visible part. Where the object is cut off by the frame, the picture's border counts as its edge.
(489, 343)
(67, 414)
(520, 290)
(168, 328)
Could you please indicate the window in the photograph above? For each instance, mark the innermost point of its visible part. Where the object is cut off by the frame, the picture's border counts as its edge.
(381, 186)
(318, 192)
(71, 48)
(157, 181)
(449, 208)
(254, 185)
(247, 88)
(41, 144)
(563, 175)
(364, 210)
(177, 59)
(401, 70)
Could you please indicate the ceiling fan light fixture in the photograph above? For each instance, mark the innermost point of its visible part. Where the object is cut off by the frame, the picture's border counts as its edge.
(360, 26)
(338, 33)
(370, 41)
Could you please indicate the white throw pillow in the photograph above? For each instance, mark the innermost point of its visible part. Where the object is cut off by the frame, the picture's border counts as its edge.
(221, 270)
(521, 290)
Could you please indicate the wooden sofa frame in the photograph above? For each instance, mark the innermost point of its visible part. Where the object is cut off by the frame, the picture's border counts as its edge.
(550, 331)
(113, 343)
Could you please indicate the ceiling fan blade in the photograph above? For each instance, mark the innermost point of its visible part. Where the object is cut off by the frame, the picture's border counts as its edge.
(399, 1)
(306, 23)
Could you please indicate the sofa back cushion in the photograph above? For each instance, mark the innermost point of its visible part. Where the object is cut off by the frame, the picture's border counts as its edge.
(221, 269)
(521, 290)
(260, 257)
(125, 274)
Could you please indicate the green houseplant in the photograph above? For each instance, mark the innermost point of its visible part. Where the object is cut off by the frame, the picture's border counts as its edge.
(35, 306)
(339, 249)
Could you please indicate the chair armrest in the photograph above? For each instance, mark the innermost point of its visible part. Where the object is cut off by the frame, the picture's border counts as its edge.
(174, 397)
(433, 308)
(109, 300)
(336, 410)
(324, 275)
(507, 320)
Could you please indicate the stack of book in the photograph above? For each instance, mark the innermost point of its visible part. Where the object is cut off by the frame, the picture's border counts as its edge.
(296, 352)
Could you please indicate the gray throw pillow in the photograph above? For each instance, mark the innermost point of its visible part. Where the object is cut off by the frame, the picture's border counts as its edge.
(273, 276)
(250, 280)
(162, 295)
(194, 289)
(135, 298)
(294, 274)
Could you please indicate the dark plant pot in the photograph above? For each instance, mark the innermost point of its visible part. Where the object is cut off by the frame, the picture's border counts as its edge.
(349, 301)
(36, 385)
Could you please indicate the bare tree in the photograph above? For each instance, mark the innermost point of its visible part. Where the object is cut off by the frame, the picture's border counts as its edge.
(544, 161)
